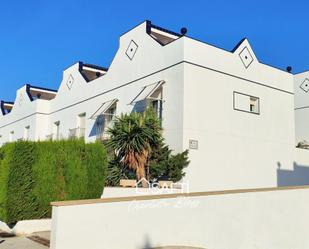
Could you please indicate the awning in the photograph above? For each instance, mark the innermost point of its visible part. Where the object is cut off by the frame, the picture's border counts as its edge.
(103, 108)
(147, 91)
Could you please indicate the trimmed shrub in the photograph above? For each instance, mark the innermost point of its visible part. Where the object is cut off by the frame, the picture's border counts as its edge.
(5, 155)
(49, 179)
(33, 174)
(95, 161)
(20, 199)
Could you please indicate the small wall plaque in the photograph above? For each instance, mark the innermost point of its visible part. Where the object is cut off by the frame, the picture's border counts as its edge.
(193, 144)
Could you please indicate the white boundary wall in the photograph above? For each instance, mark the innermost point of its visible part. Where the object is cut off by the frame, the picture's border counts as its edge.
(125, 192)
(254, 219)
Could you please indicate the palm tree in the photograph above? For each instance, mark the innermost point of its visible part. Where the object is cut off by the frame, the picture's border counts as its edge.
(132, 137)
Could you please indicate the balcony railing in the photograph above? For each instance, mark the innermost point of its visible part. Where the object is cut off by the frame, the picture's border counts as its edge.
(103, 136)
(50, 137)
(76, 133)
(101, 131)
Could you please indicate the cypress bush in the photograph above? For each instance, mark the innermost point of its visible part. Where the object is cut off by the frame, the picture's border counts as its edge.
(20, 200)
(33, 174)
(5, 157)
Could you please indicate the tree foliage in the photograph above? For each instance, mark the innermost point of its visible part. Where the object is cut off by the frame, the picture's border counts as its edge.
(138, 144)
(132, 137)
(163, 165)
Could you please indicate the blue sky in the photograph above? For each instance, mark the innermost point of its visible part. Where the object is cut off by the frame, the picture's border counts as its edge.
(41, 38)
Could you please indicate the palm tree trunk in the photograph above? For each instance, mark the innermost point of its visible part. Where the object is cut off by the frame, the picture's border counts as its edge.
(141, 174)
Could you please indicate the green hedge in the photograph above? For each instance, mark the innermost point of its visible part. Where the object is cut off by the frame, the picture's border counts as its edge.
(32, 174)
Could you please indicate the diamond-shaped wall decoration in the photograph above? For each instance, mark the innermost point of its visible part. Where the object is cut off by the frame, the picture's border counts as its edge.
(131, 50)
(305, 85)
(246, 57)
(70, 82)
(21, 99)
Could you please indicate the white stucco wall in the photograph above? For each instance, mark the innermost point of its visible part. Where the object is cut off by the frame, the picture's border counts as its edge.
(275, 219)
(299, 174)
(25, 113)
(236, 149)
(301, 107)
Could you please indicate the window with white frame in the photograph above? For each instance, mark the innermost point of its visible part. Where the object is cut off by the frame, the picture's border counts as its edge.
(11, 136)
(81, 125)
(27, 132)
(56, 130)
(151, 96)
(246, 103)
(104, 118)
(156, 102)
(99, 126)
(254, 104)
(109, 115)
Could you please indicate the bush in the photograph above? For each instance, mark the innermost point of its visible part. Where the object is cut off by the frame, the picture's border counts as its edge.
(33, 174)
(117, 171)
(6, 153)
(162, 165)
(20, 199)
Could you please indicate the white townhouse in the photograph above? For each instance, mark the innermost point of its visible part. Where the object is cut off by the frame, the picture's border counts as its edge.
(234, 113)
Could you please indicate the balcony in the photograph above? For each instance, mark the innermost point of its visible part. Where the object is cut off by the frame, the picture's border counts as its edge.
(76, 133)
(49, 137)
(52, 136)
(103, 127)
(104, 136)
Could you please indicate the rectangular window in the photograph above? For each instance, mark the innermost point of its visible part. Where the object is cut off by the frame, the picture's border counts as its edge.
(151, 96)
(246, 103)
(56, 130)
(105, 120)
(11, 136)
(99, 124)
(156, 105)
(254, 104)
(81, 126)
(109, 115)
(108, 120)
(81, 122)
(26, 132)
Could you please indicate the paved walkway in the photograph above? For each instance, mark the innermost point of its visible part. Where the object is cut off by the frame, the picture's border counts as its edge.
(20, 243)
(35, 241)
